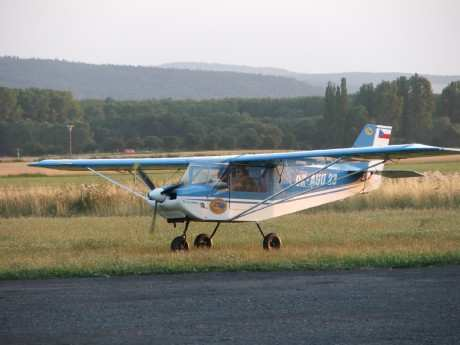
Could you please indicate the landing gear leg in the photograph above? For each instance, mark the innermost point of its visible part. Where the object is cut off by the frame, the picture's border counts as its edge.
(205, 241)
(180, 242)
(271, 240)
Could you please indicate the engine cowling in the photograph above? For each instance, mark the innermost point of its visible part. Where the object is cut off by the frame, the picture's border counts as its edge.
(157, 195)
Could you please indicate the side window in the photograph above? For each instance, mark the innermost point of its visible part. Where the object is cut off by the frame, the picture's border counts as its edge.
(249, 179)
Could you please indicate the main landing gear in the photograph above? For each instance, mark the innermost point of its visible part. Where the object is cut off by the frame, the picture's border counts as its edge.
(270, 241)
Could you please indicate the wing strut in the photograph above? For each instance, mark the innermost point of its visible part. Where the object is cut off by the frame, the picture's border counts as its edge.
(122, 186)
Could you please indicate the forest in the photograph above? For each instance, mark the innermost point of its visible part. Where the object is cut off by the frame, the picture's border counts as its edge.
(34, 121)
(89, 81)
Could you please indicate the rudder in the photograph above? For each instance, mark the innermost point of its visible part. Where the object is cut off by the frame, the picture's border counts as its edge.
(373, 135)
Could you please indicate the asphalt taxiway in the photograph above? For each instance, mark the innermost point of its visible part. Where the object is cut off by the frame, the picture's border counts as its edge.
(380, 306)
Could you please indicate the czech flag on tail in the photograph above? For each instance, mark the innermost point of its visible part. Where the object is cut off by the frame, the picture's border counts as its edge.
(384, 133)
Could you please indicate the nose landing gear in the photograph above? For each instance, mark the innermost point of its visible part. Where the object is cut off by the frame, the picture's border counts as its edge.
(180, 242)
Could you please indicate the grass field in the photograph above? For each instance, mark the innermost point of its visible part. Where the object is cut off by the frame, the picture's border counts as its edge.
(93, 246)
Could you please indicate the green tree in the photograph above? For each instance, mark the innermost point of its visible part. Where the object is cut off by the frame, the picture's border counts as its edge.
(153, 142)
(330, 108)
(420, 109)
(342, 121)
(450, 102)
(388, 105)
(366, 98)
(171, 142)
(8, 105)
(402, 84)
(332, 126)
(357, 118)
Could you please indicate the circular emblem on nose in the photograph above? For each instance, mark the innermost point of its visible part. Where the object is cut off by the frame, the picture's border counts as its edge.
(369, 131)
(218, 206)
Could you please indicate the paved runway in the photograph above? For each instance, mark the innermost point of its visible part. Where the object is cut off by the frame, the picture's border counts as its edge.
(404, 306)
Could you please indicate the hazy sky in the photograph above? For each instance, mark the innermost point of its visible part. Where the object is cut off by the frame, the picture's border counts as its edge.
(304, 36)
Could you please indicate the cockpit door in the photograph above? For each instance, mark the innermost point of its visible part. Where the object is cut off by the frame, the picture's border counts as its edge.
(219, 194)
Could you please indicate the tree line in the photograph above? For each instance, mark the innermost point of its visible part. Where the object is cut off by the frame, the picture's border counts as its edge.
(407, 104)
(35, 120)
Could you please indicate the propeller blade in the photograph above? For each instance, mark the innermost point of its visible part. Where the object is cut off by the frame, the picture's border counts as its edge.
(148, 182)
(154, 218)
(170, 188)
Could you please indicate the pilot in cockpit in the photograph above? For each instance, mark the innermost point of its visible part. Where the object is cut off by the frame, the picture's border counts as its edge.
(242, 181)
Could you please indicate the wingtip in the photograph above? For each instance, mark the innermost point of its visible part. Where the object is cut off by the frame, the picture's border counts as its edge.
(451, 150)
(34, 164)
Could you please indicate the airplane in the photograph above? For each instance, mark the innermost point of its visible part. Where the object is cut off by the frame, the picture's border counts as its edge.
(257, 187)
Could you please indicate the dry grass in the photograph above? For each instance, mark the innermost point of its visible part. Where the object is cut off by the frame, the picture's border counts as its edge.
(70, 200)
(86, 246)
(101, 199)
(21, 168)
(435, 190)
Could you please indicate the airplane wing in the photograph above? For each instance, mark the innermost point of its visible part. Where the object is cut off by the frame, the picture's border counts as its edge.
(110, 164)
(389, 152)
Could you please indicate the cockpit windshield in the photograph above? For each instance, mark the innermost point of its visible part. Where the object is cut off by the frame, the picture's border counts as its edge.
(204, 174)
(233, 178)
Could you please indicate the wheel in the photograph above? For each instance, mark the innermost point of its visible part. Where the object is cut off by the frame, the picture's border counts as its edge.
(179, 244)
(203, 241)
(272, 241)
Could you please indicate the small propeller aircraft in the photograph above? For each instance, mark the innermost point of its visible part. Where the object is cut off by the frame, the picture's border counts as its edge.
(257, 187)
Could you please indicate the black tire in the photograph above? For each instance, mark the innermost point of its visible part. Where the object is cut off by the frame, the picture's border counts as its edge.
(179, 244)
(272, 241)
(203, 241)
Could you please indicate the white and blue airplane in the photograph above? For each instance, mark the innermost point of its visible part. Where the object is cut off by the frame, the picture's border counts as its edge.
(257, 187)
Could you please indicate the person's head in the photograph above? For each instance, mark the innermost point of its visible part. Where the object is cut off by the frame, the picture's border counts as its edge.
(242, 172)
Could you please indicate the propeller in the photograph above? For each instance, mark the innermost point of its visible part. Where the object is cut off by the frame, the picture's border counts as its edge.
(147, 181)
(151, 186)
(157, 194)
(154, 219)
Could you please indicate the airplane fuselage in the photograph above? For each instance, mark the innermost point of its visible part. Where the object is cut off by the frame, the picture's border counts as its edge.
(225, 201)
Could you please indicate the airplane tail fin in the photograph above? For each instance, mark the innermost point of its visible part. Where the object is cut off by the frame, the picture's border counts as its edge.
(373, 135)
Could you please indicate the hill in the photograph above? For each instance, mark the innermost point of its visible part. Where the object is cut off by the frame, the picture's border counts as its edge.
(137, 82)
(317, 80)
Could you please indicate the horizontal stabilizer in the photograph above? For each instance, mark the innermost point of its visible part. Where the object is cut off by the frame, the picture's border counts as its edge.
(399, 173)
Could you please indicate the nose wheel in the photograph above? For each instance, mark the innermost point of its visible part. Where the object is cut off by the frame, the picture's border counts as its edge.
(180, 242)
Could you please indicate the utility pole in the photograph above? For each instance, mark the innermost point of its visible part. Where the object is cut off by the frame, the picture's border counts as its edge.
(69, 127)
